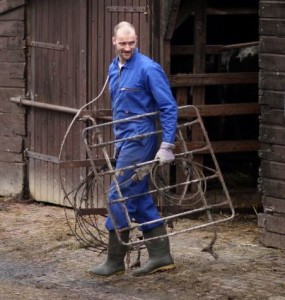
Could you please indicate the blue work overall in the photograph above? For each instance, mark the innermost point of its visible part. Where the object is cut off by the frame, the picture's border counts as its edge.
(140, 86)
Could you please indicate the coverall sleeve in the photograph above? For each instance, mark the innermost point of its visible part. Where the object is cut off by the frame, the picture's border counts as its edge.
(159, 87)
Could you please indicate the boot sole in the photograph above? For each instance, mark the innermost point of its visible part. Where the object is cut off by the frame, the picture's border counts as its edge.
(160, 269)
(107, 275)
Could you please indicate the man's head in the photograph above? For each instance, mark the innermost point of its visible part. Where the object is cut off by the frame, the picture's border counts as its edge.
(124, 40)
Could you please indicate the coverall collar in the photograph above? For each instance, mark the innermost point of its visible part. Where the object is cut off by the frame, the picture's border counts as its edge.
(128, 64)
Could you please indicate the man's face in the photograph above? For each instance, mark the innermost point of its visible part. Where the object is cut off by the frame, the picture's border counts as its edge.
(125, 42)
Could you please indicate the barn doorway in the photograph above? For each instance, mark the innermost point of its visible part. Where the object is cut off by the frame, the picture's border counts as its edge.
(214, 65)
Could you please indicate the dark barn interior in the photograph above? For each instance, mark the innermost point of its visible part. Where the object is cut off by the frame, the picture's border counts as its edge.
(228, 62)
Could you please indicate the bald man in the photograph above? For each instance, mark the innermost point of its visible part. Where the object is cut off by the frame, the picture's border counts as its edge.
(138, 86)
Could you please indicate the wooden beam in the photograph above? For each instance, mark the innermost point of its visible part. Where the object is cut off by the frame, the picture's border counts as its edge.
(272, 134)
(273, 205)
(272, 152)
(199, 63)
(210, 49)
(201, 79)
(232, 11)
(272, 169)
(230, 109)
(223, 146)
(274, 188)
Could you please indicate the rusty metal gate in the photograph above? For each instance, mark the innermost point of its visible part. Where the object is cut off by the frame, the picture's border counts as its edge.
(69, 50)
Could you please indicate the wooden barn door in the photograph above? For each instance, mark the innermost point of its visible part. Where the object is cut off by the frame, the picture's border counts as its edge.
(57, 44)
(69, 50)
(101, 25)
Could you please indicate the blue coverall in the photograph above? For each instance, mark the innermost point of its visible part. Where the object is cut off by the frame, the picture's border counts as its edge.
(139, 87)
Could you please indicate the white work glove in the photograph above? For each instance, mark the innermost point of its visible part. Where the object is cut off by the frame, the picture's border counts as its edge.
(165, 154)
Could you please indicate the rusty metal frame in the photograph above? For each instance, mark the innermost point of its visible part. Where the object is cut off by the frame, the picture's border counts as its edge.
(94, 140)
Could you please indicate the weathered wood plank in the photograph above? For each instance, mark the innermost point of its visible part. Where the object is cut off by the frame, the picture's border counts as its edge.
(272, 188)
(6, 82)
(7, 93)
(273, 205)
(272, 116)
(272, 9)
(11, 43)
(272, 62)
(270, 239)
(11, 157)
(271, 44)
(12, 145)
(17, 14)
(11, 28)
(11, 175)
(14, 56)
(12, 70)
(272, 99)
(8, 5)
(272, 134)
(8, 106)
(271, 80)
(271, 169)
(274, 27)
(12, 124)
(272, 223)
(272, 152)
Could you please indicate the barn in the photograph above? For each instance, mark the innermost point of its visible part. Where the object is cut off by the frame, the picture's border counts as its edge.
(225, 57)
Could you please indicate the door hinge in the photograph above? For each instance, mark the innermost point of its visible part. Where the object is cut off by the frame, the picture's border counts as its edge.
(129, 9)
(56, 46)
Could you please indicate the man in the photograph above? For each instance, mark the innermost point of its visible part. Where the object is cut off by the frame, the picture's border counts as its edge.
(137, 86)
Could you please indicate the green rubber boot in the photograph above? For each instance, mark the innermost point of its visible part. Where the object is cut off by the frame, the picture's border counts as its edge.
(160, 258)
(114, 264)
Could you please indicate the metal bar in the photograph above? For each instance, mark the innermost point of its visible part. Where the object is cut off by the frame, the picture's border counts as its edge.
(179, 231)
(100, 114)
(186, 183)
(28, 102)
(114, 178)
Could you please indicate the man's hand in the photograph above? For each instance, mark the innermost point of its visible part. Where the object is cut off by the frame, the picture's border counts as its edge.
(165, 154)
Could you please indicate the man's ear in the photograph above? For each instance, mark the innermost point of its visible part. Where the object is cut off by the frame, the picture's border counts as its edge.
(114, 40)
